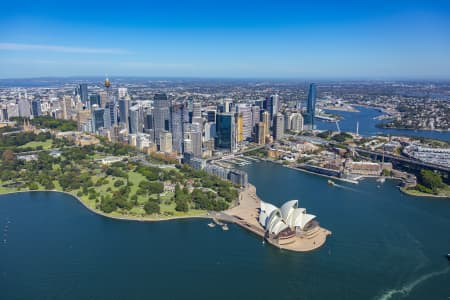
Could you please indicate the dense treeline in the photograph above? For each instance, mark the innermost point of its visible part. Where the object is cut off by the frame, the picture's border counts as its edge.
(108, 187)
(49, 123)
(12, 141)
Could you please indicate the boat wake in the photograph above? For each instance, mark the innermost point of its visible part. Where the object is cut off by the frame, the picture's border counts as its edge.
(406, 289)
(346, 188)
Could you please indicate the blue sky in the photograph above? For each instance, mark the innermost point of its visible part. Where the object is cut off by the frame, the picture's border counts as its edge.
(276, 39)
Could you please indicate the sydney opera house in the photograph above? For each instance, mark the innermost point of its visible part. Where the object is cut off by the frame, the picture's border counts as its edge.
(285, 222)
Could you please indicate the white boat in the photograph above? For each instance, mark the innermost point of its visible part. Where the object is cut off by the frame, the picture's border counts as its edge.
(381, 179)
(212, 225)
(225, 227)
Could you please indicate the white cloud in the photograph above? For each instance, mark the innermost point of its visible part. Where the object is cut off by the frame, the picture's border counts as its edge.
(55, 48)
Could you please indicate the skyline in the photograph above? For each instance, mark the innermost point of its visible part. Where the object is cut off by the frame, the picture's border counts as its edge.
(377, 40)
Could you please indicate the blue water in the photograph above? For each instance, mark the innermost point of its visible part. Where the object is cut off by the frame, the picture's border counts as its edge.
(385, 245)
(367, 125)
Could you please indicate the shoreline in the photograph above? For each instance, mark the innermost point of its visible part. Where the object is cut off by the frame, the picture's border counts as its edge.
(421, 194)
(362, 177)
(123, 218)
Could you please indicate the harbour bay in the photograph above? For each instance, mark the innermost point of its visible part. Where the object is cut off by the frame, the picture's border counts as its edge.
(385, 245)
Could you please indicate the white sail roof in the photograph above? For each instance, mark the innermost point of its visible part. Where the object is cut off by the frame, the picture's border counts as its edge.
(275, 220)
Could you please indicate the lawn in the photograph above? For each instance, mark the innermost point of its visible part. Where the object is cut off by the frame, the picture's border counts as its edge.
(45, 145)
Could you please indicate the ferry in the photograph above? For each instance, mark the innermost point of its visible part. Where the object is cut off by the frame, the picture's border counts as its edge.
(331, 182)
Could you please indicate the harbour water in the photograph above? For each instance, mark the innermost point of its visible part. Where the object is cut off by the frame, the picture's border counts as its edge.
(367, 125)
(385, 245)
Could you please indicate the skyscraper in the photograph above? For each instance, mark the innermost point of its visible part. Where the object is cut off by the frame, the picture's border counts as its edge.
(239, 127)
(211, 116)
(266, 121)
(296, 121)
(260, 133)
(94, 99)
(83, 92)
(178, 112)
(278, 126)
(196, 110)
(110, 115)
(136, 120)
(122, 92)
(36, 107)
(225, 131)
(124, 106)
(24, 108)
(196, 138)
(67, 107)
(311, 106)
(97, 119)
(274, 105)
(165, 143)
(247, 127)
(161, 115)
(256, 115)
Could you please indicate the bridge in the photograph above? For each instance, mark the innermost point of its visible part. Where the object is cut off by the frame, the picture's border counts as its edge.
(404, 161)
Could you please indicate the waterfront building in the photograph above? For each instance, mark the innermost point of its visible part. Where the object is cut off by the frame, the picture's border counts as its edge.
(225, 132)
(238, 177)
(161, 115)
(284, 221)
(278, 126)
(311, 107)
(165, 143)
(36, 107)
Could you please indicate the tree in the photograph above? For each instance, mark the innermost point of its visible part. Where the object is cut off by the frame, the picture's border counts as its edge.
(118, 183)
(182, 206)
(8, 156)
(431, 180)
(152, 207)
(33, 186)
